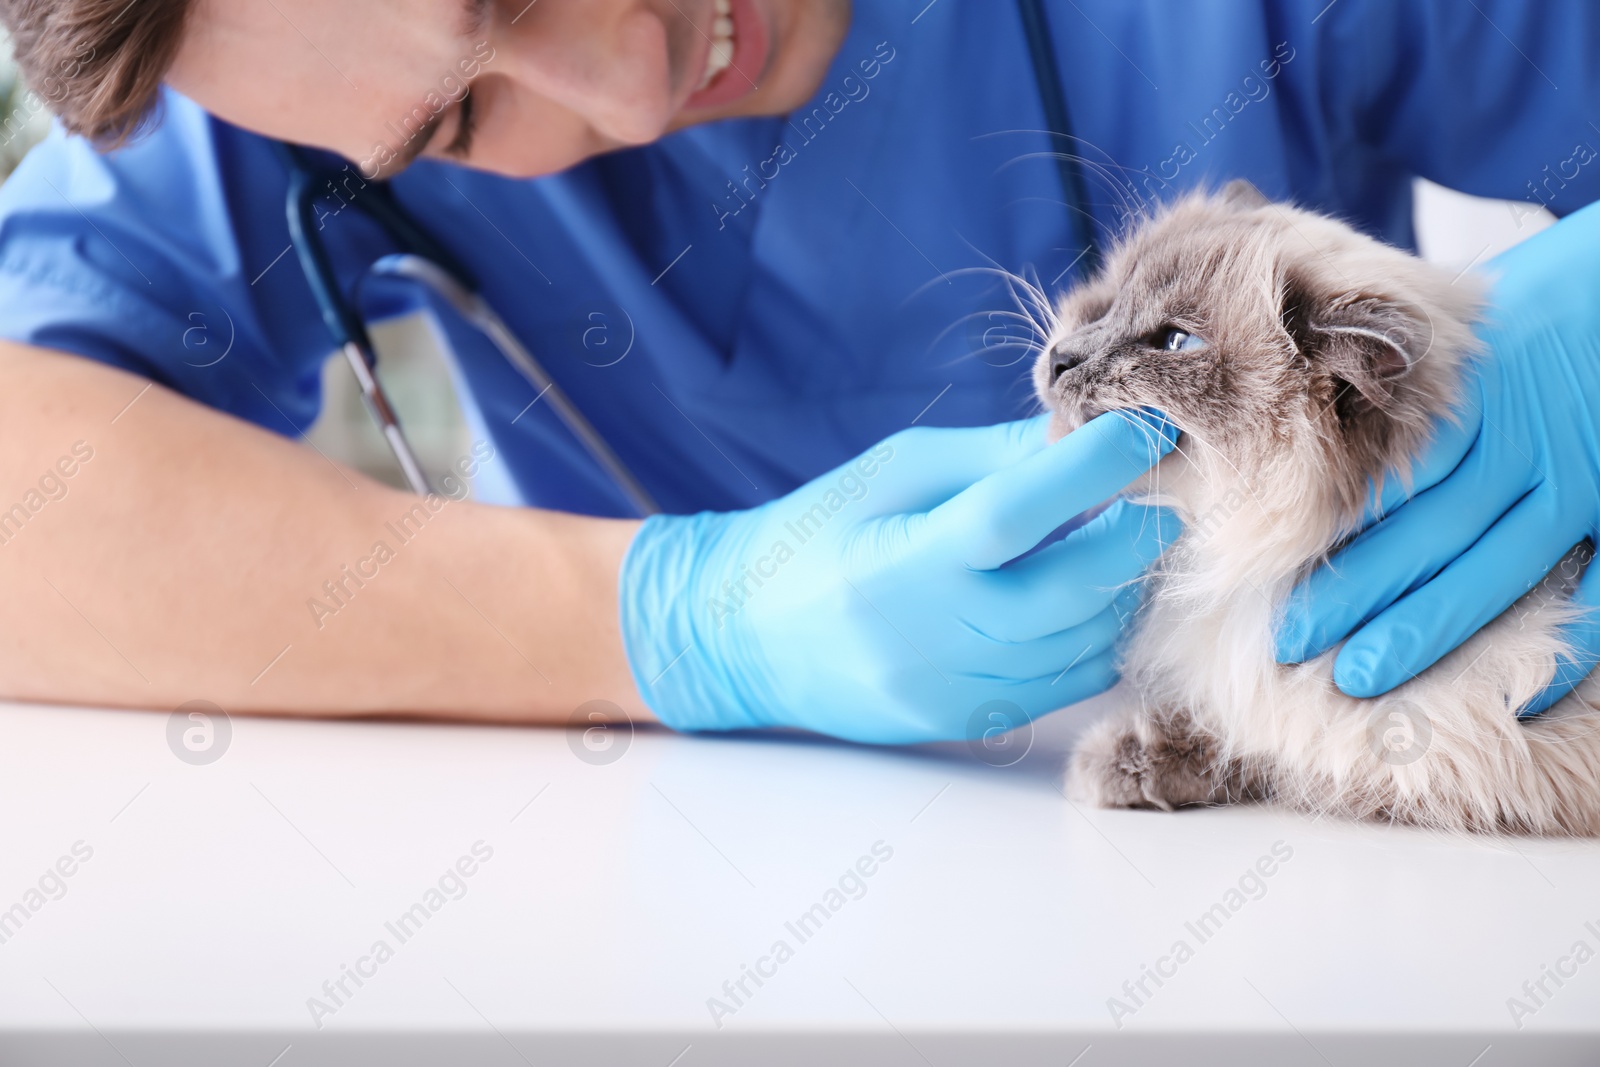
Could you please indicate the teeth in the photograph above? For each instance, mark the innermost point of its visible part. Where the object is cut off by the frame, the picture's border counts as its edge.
(721, 55)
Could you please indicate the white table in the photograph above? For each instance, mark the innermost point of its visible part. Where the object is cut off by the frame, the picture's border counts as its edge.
(620, 897)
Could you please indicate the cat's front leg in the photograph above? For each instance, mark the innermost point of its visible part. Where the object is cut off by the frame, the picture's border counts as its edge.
(1159, 759)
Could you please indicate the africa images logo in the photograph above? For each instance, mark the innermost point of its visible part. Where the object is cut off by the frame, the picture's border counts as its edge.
(1399, 732)
(199, 732)
(599, 732)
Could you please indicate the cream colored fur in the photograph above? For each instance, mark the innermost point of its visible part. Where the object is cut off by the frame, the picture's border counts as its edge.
(1210, 717)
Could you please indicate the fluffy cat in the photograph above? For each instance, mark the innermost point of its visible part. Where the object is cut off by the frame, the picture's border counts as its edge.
(1301, 360)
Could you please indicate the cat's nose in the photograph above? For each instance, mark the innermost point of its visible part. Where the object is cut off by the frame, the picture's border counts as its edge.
(1062, 361)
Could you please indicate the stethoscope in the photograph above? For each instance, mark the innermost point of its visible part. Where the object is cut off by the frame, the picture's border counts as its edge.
(426, 262)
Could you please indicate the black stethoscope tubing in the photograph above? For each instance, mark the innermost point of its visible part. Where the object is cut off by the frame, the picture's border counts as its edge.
(427, 262)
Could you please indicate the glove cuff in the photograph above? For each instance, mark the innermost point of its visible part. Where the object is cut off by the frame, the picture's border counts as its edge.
(679, 659)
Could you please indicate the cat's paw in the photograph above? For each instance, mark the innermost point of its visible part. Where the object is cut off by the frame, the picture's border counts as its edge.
(1142, 764)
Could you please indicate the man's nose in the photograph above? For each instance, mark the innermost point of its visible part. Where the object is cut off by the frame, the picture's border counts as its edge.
(1063, 360)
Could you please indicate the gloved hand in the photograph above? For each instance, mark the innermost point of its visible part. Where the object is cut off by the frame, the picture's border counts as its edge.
(1497, 501)
(879, 602)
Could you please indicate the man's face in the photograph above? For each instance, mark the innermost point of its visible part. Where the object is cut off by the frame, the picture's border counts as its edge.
(519, 87)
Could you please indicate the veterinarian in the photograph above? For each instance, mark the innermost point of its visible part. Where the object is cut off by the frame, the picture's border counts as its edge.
(783, 329)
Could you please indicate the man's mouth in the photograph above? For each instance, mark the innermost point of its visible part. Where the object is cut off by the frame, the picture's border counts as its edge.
(736, 58)
(721, 54)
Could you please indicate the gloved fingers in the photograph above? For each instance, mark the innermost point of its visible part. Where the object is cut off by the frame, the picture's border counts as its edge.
(1582, 637)
(1057, 652)
(983, 707)
(1450, 444)
(921, 467)
(1414, 633)
(1551, 268)
(1006, 707)
(1073, 580)
(1050, 692)
(1012, 510)
(1398, 555)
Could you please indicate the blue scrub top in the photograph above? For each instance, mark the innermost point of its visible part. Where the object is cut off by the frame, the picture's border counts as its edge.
(789, 291)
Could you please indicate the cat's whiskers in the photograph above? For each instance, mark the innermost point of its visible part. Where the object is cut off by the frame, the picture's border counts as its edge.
(1036, 313)
(1131, 205)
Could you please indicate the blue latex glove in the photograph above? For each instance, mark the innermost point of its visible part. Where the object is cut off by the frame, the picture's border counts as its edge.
(880, 602)
(1496, 501)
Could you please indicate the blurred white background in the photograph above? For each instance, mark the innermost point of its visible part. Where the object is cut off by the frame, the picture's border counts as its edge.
(1460, 231)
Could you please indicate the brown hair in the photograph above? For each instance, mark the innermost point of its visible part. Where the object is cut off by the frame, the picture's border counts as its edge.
(97, 64)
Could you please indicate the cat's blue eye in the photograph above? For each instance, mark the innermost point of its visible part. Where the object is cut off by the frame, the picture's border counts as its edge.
(1176, 340)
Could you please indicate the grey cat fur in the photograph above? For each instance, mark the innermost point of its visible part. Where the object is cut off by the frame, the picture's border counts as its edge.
(1327, 357)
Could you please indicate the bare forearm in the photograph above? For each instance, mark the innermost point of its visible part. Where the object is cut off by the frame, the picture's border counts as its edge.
(192, 556)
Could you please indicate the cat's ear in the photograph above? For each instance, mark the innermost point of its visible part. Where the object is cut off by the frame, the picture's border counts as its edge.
(1367, 342)
(1240, 193)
